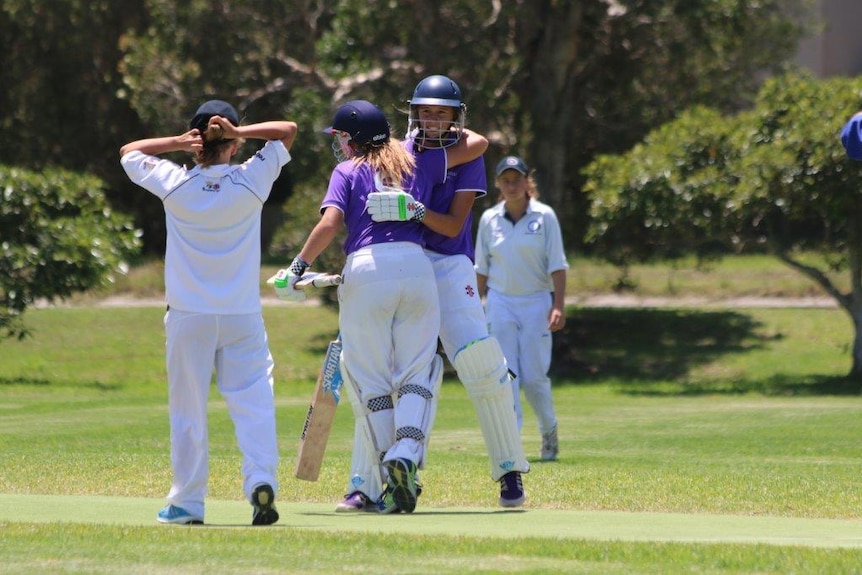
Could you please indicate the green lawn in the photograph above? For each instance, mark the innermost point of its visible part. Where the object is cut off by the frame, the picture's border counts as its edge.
(733, 276)
(718, 432)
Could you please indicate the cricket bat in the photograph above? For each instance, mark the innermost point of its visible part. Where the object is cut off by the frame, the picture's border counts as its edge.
(318, 280)
(321, 414)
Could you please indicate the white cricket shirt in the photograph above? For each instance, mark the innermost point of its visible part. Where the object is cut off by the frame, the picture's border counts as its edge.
(212, 214)
(519, 258)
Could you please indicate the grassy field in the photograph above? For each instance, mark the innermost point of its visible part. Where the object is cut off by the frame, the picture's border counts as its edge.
(692, 441)
(737, 276)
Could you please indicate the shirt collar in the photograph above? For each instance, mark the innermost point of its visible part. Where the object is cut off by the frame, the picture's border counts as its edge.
(500, 208)
(216, 171)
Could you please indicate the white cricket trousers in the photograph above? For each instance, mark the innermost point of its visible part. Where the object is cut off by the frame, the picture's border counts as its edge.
(389, 318)
(520, 324)
(462, 319)
(236, 348)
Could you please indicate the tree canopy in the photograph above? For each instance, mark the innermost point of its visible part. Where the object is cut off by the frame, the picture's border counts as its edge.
(59, 237)
(555, 82)
(775, 176)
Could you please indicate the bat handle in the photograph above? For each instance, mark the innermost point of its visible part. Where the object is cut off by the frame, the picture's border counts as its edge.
(326, 280)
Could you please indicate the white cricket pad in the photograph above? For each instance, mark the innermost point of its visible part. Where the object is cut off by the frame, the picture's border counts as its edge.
(430, 415)
(414, 416)
(373, 434)
(481, 359)
(484, 373)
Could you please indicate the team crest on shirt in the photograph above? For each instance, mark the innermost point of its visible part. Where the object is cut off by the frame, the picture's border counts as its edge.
(213, 187)
(469, 290)
(534, 227)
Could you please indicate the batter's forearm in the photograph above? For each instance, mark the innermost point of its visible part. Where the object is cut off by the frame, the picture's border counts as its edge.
(451, 223)
(318, 240)
(469, 147)
(445, 224)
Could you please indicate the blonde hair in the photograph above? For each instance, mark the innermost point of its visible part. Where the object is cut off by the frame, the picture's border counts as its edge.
(390, 160)
(214, 146)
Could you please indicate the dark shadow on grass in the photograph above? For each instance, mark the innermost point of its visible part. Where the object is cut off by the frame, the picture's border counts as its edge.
(649, 351)
(778, 385)
(40, 382)
(648, 345)
(320, 343)
(33, 381)
(785, 384)
(435, 511)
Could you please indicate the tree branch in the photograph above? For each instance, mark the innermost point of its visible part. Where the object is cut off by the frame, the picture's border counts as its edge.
(844, 300)
(339, 88)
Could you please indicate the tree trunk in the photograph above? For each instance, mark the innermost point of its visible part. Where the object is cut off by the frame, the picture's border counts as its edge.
(853, 304)
(856, 369)
(551, 52)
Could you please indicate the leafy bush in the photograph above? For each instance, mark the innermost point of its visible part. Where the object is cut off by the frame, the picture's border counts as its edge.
(59, 237)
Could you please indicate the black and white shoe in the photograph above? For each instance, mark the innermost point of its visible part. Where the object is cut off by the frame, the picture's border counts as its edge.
(263, 501)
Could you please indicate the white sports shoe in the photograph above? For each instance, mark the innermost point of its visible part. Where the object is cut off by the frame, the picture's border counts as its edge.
(550, 447)
(178, 516)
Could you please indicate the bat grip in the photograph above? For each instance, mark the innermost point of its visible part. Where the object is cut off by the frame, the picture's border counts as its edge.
(321, 280)
(327, 280)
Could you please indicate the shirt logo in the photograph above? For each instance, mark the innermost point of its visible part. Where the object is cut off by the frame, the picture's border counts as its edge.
(213, 187)
(534, 227)
(470, 291)
(149, 164)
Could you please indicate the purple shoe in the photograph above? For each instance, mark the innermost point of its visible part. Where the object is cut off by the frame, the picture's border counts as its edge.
(354, 503)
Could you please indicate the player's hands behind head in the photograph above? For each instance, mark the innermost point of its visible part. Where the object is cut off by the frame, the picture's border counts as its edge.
(218, 129)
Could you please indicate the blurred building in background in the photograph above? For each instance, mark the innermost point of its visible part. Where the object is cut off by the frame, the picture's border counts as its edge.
(836, 47)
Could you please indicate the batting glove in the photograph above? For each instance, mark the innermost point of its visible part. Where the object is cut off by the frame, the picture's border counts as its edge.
(284, 282)
(394, 207)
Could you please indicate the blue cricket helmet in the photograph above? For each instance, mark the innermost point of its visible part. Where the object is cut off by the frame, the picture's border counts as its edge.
(436, 90)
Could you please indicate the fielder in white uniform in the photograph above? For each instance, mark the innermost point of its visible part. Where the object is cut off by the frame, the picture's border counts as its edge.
(212, 279)
(521, 268)
(436, 120)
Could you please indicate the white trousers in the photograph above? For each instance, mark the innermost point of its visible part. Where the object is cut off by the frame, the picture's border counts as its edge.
(389, 319)
(520, 324)
(236, 348)
(462, 319)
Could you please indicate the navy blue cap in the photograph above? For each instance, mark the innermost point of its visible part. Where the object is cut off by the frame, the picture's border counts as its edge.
(365, 122)
(210, 109)
(512, 163)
